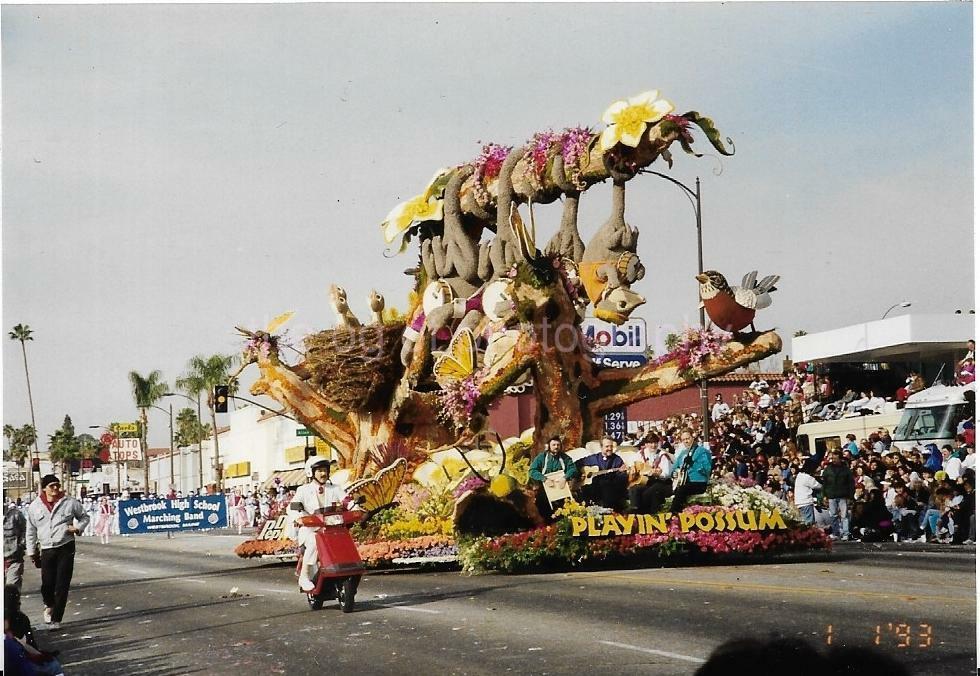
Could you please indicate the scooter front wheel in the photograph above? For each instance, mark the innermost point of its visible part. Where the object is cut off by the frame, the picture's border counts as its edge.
(345, 593)
(316, 603)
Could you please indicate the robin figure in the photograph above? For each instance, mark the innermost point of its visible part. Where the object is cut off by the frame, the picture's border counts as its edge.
(734, 309)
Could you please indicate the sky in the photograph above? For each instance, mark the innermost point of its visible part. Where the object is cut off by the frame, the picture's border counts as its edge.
(172, 171)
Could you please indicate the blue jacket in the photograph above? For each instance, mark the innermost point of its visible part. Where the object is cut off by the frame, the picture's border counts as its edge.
(700, 470)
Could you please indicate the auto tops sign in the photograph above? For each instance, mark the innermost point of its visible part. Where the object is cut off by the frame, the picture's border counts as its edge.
(14, 476)
(617, 346)
(150, 516)
(126, 450)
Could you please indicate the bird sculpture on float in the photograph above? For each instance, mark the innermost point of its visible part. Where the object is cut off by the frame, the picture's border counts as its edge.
(732, 309)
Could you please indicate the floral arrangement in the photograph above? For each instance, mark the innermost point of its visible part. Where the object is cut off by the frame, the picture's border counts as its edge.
(458, 399)
(683, 125)
(737, 496)
(626, 120)
(554, 547)
(408, 527)
(470, 483)
(692, 349)
(426, 206)
(486, 167)
(573, 143)
(383, 552)
(536, 155)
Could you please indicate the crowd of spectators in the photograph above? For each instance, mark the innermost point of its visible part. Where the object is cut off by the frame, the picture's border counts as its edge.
(868, 490)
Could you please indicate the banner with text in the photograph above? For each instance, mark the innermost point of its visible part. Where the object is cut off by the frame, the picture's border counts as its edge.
(149, 516)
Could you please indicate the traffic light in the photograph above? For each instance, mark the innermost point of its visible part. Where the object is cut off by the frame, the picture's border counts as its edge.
(221, 399)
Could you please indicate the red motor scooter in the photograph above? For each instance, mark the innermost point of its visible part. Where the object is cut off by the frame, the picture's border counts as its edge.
(340, 567)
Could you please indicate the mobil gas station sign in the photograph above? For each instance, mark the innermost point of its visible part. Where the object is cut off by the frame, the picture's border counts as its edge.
(617, 346)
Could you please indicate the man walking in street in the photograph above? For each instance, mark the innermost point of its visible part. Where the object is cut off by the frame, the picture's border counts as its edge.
(53, 520)
(838, 488)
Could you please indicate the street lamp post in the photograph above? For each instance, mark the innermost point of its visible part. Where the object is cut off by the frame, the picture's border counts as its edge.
(171, 414)
(200, 451)
(904, 303)
(694, 197)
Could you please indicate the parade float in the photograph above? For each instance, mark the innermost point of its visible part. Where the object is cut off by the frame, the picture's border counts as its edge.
(403, 398)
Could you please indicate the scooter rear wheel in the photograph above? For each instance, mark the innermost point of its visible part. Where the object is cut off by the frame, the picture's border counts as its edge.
(345, 594)
(316, 603)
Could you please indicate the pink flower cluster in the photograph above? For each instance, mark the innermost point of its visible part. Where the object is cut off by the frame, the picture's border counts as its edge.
(458, 400)
(572, 144)
(537, 150)
(693, 349)
(262, 343)
(683, 123)
(469, 484)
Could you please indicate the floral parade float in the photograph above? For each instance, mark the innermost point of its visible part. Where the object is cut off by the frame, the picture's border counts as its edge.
(403, 400)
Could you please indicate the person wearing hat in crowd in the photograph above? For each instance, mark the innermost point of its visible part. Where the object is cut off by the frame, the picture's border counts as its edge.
(53, 520)
(315, 497)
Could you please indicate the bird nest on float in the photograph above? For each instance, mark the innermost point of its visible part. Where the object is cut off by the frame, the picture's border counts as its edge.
(357, 368)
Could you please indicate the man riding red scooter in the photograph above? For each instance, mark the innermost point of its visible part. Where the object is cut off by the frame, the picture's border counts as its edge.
(329, 566)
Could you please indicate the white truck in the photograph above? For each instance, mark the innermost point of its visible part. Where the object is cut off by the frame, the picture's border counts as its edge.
(818, 438)
(931, 416)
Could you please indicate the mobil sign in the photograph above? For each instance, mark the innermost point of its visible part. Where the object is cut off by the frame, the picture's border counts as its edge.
(617, 346)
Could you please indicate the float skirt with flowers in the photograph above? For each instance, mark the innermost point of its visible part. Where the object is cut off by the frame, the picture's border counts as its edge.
(727, 523)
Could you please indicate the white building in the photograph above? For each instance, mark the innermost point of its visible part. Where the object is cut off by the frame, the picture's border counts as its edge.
(256, 447)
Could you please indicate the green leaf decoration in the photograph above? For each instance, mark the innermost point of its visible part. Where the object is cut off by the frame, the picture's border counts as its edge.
(438, 186)
(707, 125)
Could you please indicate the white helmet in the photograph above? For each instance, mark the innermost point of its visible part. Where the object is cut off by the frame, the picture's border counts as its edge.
(315, 460)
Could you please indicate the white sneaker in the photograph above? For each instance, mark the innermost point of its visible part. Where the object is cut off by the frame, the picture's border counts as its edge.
(47, 616)
(54, 625)
(306, 584)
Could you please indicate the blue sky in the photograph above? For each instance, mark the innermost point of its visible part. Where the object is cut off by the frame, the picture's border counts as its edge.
(170, 171)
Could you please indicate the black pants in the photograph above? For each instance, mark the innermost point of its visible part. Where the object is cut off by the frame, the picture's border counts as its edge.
(57, 566)
(608, 490)
(648, 498)
(684, 492)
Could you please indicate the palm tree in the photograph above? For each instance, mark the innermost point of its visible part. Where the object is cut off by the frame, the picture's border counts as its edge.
(189, 430)
(64, 447)
(147, 391)
(203, 374)
(20, 440)
(22, 332)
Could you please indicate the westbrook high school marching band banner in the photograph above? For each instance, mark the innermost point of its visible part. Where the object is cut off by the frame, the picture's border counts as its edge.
(148, 516)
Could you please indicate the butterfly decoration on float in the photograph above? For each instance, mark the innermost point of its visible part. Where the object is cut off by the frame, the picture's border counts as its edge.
(459, 360)
(379, 491)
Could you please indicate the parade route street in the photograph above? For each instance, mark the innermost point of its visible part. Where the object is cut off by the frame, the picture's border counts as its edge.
(149, 605)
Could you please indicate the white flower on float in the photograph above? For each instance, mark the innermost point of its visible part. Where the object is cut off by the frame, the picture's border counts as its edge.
(424, 207)
(628, 119)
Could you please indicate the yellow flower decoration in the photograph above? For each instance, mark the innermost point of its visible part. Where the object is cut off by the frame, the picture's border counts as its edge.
(424, 207)
(628, 120)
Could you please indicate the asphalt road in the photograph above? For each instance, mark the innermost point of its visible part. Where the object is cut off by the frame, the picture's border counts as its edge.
(147, 605)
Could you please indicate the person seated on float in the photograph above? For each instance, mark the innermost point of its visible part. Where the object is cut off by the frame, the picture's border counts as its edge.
(551, 460)
(315, 497)
(697, 458)
(607, 471)
(651, 478)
